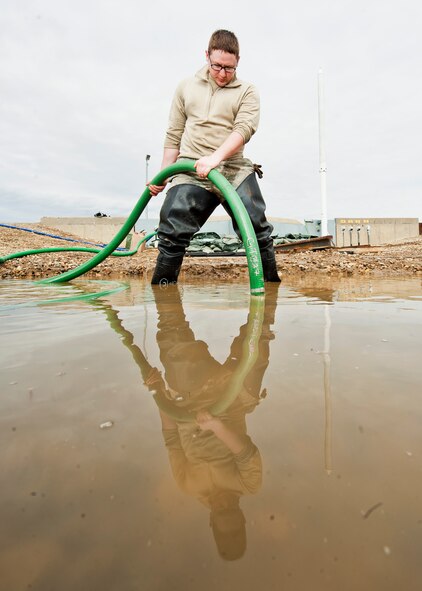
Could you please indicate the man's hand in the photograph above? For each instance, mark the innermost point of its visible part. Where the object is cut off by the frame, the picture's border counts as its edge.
(207, 422)
(154, 377)
(155, 189)
(169, 157)
(230, 146)
(205, 164)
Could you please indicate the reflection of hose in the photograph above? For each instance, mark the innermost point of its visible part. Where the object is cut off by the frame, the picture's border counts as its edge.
(123, 253)
(248, 357)
(238, 209)
(247, 361)
(127, 339)
(83, 296)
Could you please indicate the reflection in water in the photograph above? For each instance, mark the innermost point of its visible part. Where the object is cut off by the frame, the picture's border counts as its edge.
(88, 508)
(327, 390)
(203, 406)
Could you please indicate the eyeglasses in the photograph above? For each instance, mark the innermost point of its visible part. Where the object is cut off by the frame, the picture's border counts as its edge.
(227, 69)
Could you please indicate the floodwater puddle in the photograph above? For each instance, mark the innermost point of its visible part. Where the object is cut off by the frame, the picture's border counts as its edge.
(192, 437)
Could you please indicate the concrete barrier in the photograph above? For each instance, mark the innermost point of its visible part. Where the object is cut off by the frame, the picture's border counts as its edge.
(93, 229)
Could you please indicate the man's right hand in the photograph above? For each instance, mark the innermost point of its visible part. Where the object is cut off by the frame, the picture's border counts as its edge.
(156, 189)
(169, 157)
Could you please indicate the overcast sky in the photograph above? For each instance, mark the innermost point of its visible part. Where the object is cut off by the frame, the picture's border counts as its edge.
(86, 86)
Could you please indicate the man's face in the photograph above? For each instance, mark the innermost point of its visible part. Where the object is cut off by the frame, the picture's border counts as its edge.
(221, 58)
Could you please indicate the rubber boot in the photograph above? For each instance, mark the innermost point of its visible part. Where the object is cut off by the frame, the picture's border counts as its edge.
(269, 265)
(166, 269)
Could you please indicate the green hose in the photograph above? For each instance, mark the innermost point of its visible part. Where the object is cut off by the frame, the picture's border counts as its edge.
(256, 277)
(116, 253)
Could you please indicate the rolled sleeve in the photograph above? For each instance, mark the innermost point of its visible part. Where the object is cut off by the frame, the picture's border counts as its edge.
(171, 439)
(177, 457)
(249, 464)
(247, 118)
(177, 120)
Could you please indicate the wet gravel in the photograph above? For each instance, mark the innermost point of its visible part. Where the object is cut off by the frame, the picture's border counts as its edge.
(399, 259)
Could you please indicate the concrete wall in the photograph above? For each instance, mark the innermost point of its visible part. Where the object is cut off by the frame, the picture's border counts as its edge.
(101, 230)
(373, 231)
(104, 229)
(346, 231)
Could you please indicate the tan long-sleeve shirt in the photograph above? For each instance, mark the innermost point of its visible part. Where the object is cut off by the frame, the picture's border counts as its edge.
(203, 115)
(203, 466)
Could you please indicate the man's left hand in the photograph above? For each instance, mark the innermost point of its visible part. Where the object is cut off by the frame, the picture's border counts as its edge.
(207, 422)
(205, 164)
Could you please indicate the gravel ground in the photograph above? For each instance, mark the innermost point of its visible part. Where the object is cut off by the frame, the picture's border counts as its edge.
(392, 260)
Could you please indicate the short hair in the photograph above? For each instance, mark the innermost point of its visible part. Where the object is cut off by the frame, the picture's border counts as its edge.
(224, 41)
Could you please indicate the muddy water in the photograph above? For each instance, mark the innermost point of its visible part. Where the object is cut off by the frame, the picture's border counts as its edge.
(116, 476)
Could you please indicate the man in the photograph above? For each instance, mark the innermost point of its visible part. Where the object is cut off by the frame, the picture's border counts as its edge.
(212, 117)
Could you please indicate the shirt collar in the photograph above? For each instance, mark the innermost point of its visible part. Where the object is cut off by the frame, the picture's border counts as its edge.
(203, 74)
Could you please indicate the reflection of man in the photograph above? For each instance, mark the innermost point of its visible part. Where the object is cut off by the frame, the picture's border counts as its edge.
(213, 115)
(212, 457)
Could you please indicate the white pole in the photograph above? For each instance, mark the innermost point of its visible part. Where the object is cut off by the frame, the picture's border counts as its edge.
(147, 157)
(322, 157)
